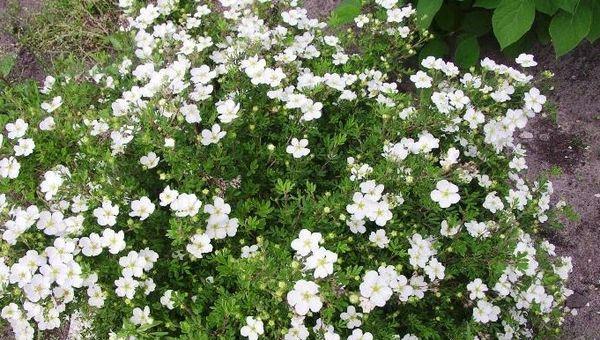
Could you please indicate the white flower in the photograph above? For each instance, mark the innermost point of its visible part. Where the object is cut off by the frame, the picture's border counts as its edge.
(450, 159)
(167, 196)
(228, 111)
(435, 270)
(352, 318)
(485, 312)
(115, 241)
(186, 205)
(304, 297)
(473, 117)
(107, 213)
(150, 160)
(96, 296)
(17, 129)
(375, 288)
(380, 213)
(92, 245)
(133, 264)
(297, 332)
(493, 203)
(306, 242)
(212, 136)
(51, 183)
(141, 316)
(249, 251)
(48, 84)
(47, 124)
(169, 143)
(252, 329)
(379, 238)
(191, 113)
(37, 289)
(358, 334)
(321, 261)
(477, 289)
(356, 226)
(202, 74)
(9, 167)
(298, 148)
(199, 245)
(142, 208)
(361, 206)
(361, 20)
(218, 211)
(525, 60)
(53, 105)
(448, 231)
(312, 111)
(126, 287)
(165, 299)
(421, 80)
(445, 194)
(534, 101)
(477, 229)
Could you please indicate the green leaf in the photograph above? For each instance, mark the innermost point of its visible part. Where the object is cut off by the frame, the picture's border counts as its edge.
(568, 30)
(345, 12)
(448, 17)
(522, 45)
(595, 27)
(436, 47)
(512, 19)
(477, 22)
(546, 6)
(7, 62)
(541, 29)
(467, 52)
(489, 4)
(426, 10)
(567, 5)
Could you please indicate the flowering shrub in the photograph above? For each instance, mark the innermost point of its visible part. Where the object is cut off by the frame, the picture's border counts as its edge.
(248, 173)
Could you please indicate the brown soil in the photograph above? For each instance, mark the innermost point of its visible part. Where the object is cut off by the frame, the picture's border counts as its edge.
(574, 145)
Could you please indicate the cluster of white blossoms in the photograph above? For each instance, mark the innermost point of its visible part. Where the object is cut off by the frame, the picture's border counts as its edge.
(252, 329)
(371, 204)
(186, 85)
(218, 226)
(315, 257)
(22, 147)
(378, 287)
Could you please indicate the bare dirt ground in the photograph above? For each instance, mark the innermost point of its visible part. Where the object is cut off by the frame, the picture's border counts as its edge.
(573, 144)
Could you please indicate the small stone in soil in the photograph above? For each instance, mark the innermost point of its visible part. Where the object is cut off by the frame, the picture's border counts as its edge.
(526, 135)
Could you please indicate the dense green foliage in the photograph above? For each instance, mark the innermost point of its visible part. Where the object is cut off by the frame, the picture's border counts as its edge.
(461, 26)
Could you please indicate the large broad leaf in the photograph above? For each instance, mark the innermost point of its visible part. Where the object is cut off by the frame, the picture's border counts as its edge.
(595, 27)
(345, 12)
(426, 10)
(448, 18)
(477, 22)
(435, 47)
(467, 52)
(546, 6)
(568, 30)
(489, 4)
(567, 5)
(512, 19)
